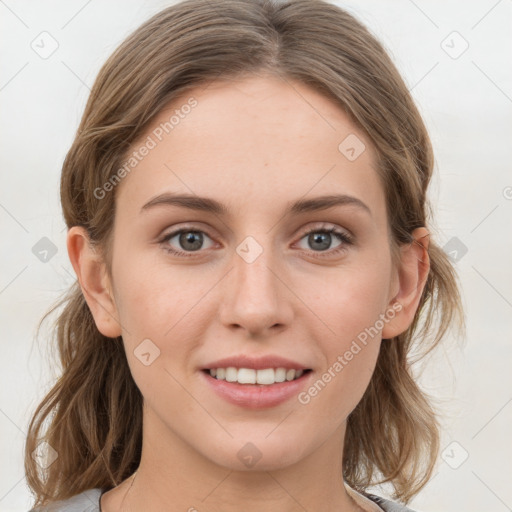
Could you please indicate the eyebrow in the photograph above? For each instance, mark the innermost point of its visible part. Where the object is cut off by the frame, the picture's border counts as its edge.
(208, 205)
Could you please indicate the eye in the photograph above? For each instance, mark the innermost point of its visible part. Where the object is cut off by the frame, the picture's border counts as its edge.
(188, 240)
(319, 239)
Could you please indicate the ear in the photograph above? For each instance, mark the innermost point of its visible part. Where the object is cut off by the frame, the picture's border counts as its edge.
(92, 275)
(413, 271)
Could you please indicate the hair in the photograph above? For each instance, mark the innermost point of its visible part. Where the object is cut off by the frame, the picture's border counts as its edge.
(94, 410)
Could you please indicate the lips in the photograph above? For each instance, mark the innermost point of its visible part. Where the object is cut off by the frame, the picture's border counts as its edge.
(256, 363)
(258, 389)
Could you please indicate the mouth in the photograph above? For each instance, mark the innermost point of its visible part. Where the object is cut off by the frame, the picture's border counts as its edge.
(256, 389)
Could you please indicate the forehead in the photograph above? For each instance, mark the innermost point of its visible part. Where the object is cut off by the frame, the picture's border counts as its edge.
(260, 141)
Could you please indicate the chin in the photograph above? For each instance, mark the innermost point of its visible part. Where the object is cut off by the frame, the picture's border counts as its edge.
(258, 455)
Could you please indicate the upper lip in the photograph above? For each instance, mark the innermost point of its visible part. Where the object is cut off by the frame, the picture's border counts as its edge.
(256, 363)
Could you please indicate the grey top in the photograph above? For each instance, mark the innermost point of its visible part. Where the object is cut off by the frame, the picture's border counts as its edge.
(89, 501)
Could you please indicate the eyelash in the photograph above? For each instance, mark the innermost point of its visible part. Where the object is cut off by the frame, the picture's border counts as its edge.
(342, 237)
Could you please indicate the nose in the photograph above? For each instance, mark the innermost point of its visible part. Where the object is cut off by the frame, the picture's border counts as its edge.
(256, 297)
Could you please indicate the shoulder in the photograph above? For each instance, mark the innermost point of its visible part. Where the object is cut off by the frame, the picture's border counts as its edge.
(387, 505)
(87, 501)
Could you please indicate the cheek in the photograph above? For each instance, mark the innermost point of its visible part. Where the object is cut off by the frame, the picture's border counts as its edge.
(166, 306)
(350, 306)
(153, 297)
(350, 299)
(155, 308)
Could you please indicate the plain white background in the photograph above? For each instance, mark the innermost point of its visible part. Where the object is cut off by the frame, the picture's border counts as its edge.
(465, 96)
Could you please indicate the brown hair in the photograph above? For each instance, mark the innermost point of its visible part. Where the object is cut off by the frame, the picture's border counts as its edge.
(95, 408)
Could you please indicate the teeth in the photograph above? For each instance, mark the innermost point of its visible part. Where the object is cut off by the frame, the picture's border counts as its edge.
(231, 374)
(266, 376)
(246, 376)
(280, 375)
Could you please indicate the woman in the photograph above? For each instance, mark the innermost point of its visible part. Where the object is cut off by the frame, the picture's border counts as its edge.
(213, 357)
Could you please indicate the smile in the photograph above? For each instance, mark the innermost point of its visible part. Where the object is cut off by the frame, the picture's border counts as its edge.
(257, 389)
(265, 376)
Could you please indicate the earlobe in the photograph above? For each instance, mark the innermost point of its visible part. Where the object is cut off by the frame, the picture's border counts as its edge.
(412, 276)
(94, 281)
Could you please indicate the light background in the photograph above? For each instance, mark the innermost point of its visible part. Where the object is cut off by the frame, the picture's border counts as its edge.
(466, 101)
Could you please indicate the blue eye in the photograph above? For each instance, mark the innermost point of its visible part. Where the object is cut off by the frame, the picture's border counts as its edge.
(320, 239)
(190, 240)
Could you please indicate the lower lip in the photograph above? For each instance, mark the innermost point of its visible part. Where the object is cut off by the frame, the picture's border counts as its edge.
(257, 396)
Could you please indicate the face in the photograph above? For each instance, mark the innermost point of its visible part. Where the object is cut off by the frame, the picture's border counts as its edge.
(267, 274)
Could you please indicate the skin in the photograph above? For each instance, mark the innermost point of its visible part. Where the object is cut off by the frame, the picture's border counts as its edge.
(254, 144)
